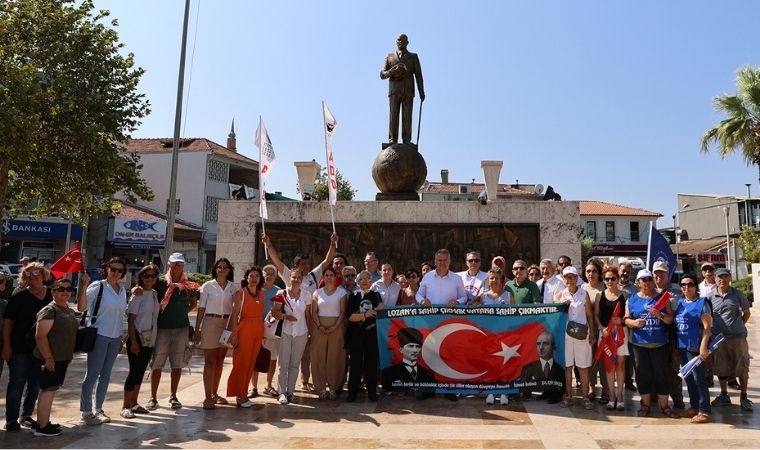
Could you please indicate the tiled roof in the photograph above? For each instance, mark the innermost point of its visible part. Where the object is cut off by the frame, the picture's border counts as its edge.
(596, 208)
(453, 188)
(164, 145)
(139, 212)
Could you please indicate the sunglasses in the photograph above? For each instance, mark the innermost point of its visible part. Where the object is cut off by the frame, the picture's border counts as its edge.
(32, 272)
(645, 279)
(534, 274)
(687, 285)
(350, 275)
(114, 269)
(708, 270)
(610, 279)
(150, 276)
(414, 275)
(473, 260)
(63, 289)
(562, 263)
(518, 268)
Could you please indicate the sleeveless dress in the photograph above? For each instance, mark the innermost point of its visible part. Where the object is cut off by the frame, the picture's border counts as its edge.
(250, 332)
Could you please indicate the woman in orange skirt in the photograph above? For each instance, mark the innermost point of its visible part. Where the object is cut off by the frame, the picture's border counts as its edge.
(247, 333)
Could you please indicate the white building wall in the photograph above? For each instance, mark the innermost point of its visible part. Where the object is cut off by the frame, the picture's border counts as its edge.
(622, 228)
(191, 182)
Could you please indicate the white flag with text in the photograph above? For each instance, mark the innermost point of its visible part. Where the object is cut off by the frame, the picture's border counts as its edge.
(332, 182)
(266, 160)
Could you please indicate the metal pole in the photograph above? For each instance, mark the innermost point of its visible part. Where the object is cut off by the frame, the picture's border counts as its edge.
(728, 239)
(746, 205)
(170, 213)
(675, 236)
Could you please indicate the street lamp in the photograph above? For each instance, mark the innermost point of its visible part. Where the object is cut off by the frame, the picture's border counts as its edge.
(747, 205)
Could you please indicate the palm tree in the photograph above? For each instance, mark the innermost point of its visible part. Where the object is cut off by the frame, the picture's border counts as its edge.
(740, 130)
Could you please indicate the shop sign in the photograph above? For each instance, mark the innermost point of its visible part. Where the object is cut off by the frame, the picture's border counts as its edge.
(40, 230)
(711, 257)
(132, 231)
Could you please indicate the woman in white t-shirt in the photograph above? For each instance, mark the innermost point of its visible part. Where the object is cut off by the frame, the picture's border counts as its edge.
(292, 306)
(328, 357)
(142, 315)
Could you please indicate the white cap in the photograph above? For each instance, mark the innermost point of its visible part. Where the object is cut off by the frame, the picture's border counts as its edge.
(569, 270)
(177, 257)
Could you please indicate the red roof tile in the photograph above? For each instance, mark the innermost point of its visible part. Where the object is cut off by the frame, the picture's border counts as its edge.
(164, 145)
(453, 188)
(597, 208)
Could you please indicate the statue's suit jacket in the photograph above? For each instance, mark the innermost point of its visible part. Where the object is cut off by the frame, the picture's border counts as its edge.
(404, 86)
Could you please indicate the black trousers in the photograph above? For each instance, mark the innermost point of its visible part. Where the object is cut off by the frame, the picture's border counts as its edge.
(650, 369)
(138, 363)
(362, 357)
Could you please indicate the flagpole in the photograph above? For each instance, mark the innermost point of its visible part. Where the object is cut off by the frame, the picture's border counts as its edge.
(649, 246)
(264, 231)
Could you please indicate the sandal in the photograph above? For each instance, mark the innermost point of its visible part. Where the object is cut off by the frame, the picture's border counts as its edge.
(174, 403)
(643, 411)
(669, 412)
(271, 391)
(221, 400)
(588, 404)
(209, 404)
(611, 405)
(566, 401)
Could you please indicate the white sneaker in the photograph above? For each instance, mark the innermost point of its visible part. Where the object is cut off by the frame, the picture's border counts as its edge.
(504, 400)
(489, 399)
(127, 413)
(91, 419)
(102, 416)
(283, 399)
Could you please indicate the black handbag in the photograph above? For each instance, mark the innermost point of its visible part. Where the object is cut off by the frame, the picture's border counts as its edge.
(263, 359)
(86, 335)
(577, 330)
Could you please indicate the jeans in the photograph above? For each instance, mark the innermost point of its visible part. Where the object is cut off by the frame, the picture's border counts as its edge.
(696, 383)
(23, 371)
(291, 351)
(99, 364)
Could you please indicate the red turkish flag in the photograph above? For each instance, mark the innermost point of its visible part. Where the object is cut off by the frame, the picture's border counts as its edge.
(69, 263)
(663, 301)
(460, 350)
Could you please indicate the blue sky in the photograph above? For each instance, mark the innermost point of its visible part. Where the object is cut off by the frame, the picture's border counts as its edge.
(601, 100)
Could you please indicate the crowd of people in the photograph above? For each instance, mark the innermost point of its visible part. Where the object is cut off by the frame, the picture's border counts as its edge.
(319, 323)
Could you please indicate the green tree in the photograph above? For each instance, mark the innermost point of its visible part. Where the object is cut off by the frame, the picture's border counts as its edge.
(69, 100)
(740, 130)
(345, 190)
(749, 242)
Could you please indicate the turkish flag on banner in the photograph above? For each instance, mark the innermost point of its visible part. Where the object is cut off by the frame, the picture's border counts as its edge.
(69, 263)
(460, 350)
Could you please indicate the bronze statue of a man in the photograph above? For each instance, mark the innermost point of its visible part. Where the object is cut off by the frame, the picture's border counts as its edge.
(402, 68)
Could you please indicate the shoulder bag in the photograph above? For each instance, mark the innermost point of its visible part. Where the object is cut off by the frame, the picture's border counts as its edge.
(86, 335)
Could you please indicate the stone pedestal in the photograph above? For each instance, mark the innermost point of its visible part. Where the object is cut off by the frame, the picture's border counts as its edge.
(399, 171)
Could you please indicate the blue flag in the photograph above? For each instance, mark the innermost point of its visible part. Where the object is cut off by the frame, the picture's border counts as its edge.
(659, 250)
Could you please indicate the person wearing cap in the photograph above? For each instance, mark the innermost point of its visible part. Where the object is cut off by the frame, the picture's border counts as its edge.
(731, 359)
(407, 370)
(650, 344)
(708, 285)
(577, 351)
(661, 275)
(172, 328)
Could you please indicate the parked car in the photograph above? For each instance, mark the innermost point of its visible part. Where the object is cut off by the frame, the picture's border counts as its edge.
(13, 269)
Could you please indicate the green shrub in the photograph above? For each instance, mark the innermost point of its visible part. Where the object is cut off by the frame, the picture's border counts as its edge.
(744, 285)
(199, 278)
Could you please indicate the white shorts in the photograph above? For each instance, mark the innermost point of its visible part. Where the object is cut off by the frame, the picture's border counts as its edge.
(577, 352)
(273, 345)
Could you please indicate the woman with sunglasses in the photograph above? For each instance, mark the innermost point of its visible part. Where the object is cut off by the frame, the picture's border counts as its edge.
(56, 335)
(23, 373)
(649, 338)
(247, 326)
(142, 316)
(693, 317)
(214, 309)
(594, 286)
(604, 312)
(407, 296)
(534, 273)
(106, 303)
